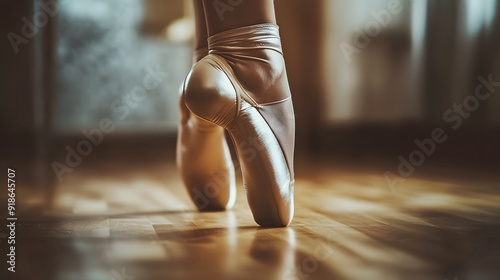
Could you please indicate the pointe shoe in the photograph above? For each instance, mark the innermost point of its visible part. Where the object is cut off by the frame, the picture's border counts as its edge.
(204, 160)
(242, 86)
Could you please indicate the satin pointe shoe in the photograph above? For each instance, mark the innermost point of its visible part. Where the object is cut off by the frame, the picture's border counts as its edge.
(242, 86)
(204, 159)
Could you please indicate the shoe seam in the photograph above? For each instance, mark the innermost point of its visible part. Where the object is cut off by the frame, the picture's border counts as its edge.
(274, 102)
(226, 68)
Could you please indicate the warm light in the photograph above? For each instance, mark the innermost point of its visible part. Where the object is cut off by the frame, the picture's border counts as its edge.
(180, 30)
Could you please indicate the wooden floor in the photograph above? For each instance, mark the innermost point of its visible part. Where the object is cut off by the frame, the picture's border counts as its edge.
(111, 221)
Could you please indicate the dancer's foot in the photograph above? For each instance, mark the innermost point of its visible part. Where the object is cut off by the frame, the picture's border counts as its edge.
(204, 160)
(242, 86)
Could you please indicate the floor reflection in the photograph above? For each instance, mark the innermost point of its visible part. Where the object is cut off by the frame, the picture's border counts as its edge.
(349, 225)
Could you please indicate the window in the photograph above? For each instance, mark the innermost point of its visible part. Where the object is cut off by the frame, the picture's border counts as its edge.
(103, 63)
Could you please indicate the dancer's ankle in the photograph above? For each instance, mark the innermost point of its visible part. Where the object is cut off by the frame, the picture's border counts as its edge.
(253, 53)
(199, 53)
(256, 75)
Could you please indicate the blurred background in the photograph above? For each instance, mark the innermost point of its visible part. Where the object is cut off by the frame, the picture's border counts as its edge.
(88, 119)
(368, 77)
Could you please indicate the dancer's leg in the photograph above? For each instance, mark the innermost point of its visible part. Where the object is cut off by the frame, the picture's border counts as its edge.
(242, 86)
(225, 15)
(201, 31)
(203, 157)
